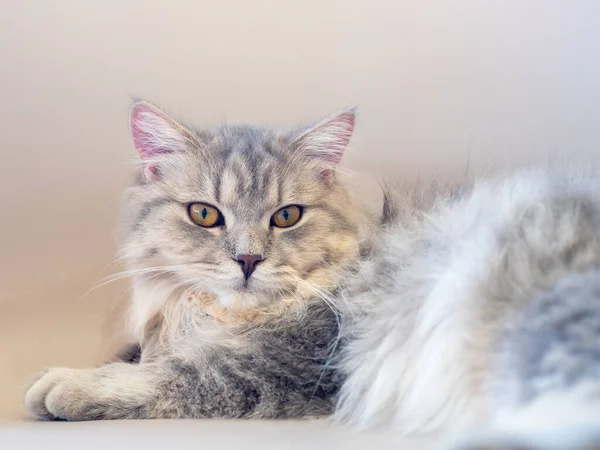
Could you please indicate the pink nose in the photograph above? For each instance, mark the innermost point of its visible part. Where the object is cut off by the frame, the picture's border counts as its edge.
(248, 263)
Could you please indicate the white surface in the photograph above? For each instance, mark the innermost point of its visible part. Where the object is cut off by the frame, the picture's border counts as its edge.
(192, 434)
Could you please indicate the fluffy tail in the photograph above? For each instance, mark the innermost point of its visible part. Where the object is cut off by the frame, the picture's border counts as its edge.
(548, 383)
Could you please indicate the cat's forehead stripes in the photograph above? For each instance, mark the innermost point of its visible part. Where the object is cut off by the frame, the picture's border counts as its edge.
(249, 172)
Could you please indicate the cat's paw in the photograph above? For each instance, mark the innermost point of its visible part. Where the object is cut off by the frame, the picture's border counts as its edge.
(113, 391)
(62, 393)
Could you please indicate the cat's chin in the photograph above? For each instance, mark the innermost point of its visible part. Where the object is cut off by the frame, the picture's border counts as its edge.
(244, 295)
(245, 298)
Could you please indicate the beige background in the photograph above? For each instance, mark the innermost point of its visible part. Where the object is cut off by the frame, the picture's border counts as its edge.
(437, 83)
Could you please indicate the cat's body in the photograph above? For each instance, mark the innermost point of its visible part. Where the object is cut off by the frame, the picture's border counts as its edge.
(469, 304)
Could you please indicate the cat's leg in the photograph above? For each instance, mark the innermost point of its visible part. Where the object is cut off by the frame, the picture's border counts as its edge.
(113, 391)
(219, 385)
(169, 388)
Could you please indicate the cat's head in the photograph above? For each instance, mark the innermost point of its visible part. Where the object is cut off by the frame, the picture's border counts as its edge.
(252, 215)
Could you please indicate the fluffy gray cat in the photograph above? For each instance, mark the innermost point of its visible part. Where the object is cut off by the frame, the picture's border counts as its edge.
(261, 290)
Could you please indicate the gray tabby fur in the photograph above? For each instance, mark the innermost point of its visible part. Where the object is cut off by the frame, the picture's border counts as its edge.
(474, 304)
(272, 364)
(272, 373)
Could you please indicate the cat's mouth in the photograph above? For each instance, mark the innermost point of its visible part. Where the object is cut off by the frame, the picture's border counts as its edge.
(254, 285)
(245, 286)
(252, 293)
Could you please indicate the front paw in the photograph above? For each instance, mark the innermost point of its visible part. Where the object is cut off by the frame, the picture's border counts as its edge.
(61, 393)
(113, 391)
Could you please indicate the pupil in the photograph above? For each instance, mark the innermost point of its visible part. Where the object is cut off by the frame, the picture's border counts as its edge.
(204, 213)
(286, 214)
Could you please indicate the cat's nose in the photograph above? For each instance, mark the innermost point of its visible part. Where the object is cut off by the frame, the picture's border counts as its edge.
(248, 263)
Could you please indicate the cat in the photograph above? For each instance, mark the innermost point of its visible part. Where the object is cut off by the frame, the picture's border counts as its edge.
(262, 289)
(234, 240)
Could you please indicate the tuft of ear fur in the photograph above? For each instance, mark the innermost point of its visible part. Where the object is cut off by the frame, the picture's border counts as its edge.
(327, 140)
(155, 135)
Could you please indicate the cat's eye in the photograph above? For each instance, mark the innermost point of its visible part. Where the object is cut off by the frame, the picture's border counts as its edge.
(287, 216)
(205, 215)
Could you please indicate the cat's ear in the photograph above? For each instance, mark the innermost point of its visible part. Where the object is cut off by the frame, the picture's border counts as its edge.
(155, 135)
(327, 141)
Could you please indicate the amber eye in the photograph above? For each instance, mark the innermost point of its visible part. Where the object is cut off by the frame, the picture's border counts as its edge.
(205, 215)
(286, 217)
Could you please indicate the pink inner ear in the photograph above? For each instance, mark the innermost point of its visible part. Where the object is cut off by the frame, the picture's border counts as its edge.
(344, 129)
(146, 124)
(329, 140)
